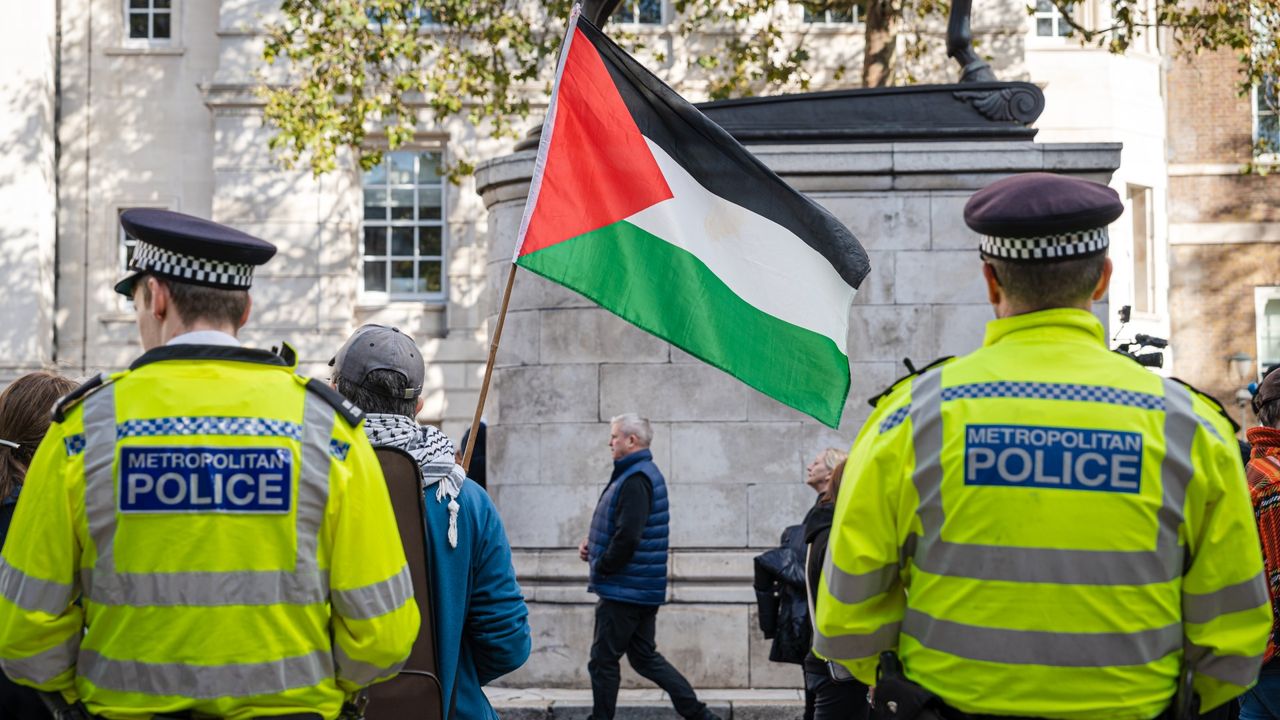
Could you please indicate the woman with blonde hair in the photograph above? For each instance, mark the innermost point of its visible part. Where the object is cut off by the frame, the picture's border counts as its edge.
(26, 409)
(844, 698)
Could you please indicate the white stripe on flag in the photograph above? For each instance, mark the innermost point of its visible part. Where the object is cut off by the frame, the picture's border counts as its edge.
(761, 261)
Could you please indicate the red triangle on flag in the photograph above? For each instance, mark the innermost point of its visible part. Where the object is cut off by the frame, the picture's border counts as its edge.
(598, 169)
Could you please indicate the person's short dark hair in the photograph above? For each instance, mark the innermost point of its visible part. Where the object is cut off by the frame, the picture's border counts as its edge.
(1269, 414)
(197, 302)
(375, 394)
(1047, 285)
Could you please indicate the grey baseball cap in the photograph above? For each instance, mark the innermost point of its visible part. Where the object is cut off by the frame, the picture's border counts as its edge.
(378, 347)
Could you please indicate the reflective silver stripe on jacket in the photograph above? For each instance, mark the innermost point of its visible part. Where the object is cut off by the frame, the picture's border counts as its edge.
(375, 600)
(206, 682)
(853, 588)
(44, 666)
(360, 672)
(1049, 565)
(1232, 669)
(854, 646)
(1040, 647)
(1244, 595)
(305, 584)
(34, 594)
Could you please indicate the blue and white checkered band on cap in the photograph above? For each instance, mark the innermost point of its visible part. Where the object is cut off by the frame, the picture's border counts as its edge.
(1064, 246)
(197, 271)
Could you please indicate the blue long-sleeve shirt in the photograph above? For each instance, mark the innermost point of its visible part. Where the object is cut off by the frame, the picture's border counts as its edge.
(482, 624)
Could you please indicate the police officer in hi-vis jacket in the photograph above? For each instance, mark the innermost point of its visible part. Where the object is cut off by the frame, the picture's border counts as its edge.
(1043, 528)
(205, 534)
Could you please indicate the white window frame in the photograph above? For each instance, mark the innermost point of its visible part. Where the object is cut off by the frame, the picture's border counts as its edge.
(826, 16)
(1256, 114)
(1261, 296)
(1052, 14)
(387, 296)
(150, 11)
(1148, 291)
(634, 6)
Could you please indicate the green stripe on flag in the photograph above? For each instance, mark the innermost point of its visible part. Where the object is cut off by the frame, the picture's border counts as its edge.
(670, 293)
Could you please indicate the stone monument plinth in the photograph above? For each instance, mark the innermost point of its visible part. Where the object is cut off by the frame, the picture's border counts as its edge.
(734, 459)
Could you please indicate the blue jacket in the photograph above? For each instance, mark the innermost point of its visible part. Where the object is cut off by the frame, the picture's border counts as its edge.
(482, 624)
(644, 579)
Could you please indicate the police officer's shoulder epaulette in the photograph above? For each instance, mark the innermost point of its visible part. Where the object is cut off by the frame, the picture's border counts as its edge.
(347, 409)
(912, 371)
(1211, 401)
(75, 397)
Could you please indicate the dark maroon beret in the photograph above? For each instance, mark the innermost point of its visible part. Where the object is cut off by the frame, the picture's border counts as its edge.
(1034, 205)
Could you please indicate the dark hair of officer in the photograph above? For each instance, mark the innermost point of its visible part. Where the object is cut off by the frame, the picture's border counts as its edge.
(833, 489)
(200, 303)
(1043, 286)
(26, 407)
(381, 393)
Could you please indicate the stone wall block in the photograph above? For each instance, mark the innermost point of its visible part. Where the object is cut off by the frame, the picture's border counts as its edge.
(708, 516)
(774, 504)
(735, 453)
(521, 333)
(514, 454)
(891, 332)
(946, 211)
(286, 302)
(548, 393)
(683, 631)
(961, 327)
(939, 277)
(672, 392)
(561, 636)
(763, 672)
(548, 515)
(587, 335)
(579, 452)
(883, 222)
(877, 288)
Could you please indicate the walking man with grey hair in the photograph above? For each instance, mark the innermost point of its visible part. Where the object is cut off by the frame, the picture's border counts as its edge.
(627, 553)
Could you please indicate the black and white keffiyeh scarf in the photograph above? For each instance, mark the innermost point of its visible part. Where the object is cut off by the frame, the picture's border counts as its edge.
(433, 451)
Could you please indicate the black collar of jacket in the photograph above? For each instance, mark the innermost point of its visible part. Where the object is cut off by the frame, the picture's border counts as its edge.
(208, 352)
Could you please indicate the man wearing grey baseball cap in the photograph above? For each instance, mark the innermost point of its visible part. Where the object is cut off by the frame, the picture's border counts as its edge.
(481, 622)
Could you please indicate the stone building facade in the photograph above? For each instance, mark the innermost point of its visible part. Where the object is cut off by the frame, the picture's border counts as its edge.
(108, 104)
(1224, 228)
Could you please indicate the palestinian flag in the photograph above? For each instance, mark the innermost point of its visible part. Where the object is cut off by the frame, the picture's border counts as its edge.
(642, 204)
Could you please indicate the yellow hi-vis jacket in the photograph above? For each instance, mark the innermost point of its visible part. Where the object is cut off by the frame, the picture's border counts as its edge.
(226, 527)
(1040, 528)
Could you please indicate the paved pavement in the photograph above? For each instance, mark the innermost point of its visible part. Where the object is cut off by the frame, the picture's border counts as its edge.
(645, 704)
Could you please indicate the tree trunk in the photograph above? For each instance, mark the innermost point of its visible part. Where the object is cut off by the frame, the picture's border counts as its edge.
(882, 43)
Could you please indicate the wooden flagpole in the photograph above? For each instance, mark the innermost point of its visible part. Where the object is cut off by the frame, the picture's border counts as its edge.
(488, 370)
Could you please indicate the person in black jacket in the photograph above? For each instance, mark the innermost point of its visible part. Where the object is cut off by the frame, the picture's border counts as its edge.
(834, 696)
(26, 407)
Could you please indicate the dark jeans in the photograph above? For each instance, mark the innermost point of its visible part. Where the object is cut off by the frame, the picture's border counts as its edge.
(827, 699)
(1262, 702)
(624, 628)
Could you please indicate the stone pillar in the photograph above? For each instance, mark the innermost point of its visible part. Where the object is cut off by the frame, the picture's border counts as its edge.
(734, 459)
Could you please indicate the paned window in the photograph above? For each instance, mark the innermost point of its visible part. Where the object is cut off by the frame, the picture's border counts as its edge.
(833, 13)
(149, 19)
(1266, 115)
(1267, 316)
(402, 248)
(1144, 240)
(1049, 22)
(639, 12)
